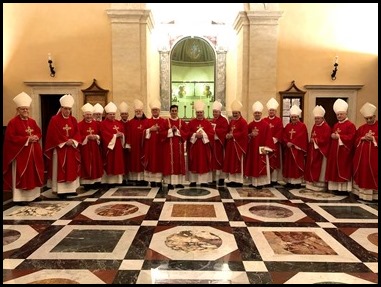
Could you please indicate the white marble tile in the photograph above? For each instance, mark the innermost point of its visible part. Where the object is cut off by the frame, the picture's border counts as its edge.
(229, 200)
(26, 234)
(255, 266)
(157, 276)
(372, 266)
(61, 222)
(58, 276)
(361, 236)
(325, 278)
(237, 224)
(211, 192)
(131, 265)
(12, 263)
(326, 224)
(193, 243)
(149, 223)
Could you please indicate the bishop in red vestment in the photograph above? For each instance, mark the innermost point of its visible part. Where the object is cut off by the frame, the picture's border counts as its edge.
(295, 139)
(113, 141)
(317, 153)
(236, 146)
(365, 161)
(276, 129)
(340, 156)
(199, 147)
(91, 157)
(221, 127)
(256, 162)
(61, 150)
(23, 165)
(174, 133)
(152, 147)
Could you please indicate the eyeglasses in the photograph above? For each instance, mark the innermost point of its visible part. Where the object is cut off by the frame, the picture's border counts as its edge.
(24, 109)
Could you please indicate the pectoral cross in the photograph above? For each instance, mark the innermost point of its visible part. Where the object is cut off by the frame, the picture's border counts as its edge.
(338, 131)
(271, 125)
(232, 128)
(67, 128)
(292, 133)
(29, 130)
(140, 127)
(90, 130)
(116, 128)
(255, 129)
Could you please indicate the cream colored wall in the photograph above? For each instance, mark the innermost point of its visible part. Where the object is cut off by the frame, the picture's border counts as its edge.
(77, 35)
(311, 35)
(79, 38)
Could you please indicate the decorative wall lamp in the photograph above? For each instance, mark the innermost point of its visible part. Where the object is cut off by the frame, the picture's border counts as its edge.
(51, 67)
(335, 65)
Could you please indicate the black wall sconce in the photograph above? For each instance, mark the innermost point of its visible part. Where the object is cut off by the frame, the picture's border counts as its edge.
(51, 67)
(335, 65)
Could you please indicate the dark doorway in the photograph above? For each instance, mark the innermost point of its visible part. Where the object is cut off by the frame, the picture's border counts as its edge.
(327, 104)
(49, 107)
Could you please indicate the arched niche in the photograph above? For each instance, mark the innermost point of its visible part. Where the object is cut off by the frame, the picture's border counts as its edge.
(199, 52)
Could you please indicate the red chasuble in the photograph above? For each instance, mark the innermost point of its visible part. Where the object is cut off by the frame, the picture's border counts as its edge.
(112, 148)
(152, 148)
(200, 153)
(29, 158)
(318, 148)
(136, 129)
(294, 156)
(173, 146)
(91, 157)
(236, 147)
(60, 130)
(276, 128)
(340, 157)
(221, 129)
(255, 162)
(365, 162)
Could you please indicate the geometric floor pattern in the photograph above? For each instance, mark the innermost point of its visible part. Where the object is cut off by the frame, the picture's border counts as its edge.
(192, 235)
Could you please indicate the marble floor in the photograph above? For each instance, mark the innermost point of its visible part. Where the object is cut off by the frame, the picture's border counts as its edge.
(198, 235)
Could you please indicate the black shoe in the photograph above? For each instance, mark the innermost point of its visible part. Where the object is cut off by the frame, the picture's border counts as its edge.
(159, 184)
(221, 182)
(179, 186)
(258, 187)
(339, 192)
(37, 199)
(62, 196)
(231, 184)
(204, 185)
(170, 186)
(192, 184)
(153, 184)
(239, 184)
(21, 203)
